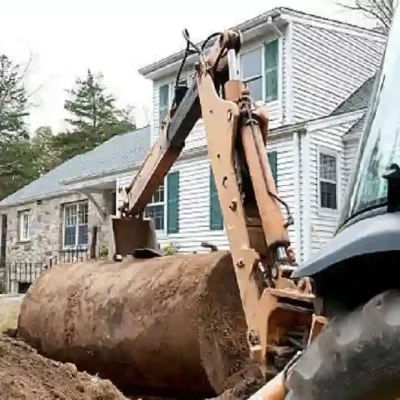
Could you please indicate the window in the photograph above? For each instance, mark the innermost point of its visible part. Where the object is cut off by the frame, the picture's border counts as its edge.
(260, 71)
(216, 217)
(76, 225)
(24, 225)
(163, 207)
(252, 72)
(156, 208)
(328, 181)
(163, 103)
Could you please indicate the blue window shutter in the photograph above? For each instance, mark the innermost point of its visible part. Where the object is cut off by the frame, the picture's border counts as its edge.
(216, 218)
(173, 202)
(273, 162)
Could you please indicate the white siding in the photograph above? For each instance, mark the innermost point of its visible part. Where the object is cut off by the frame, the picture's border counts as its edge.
(328, 66)
(194, 198)
(323, 223)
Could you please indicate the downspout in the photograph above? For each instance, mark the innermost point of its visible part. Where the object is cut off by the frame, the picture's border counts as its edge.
(297, 194)
(307, 197)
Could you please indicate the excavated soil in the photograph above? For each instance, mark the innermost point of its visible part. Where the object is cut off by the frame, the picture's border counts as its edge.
(24, 374)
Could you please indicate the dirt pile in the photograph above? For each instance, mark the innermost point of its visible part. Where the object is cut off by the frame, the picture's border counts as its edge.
(171, 326)
(24, 374)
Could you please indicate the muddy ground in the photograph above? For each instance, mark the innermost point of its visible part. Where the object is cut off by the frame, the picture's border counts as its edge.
(25, 375)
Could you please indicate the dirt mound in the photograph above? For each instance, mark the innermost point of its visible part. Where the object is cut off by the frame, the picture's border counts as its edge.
(24, 374)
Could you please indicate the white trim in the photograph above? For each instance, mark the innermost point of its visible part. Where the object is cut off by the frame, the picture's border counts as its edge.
(307, 199)
(297, 191)
(92, 184)
(76, 245)
(325, 122)
(322, 211)
(164, 231)
(111, 174)
(21, 228)
(261, 45)
(280, 76)
(289, 75)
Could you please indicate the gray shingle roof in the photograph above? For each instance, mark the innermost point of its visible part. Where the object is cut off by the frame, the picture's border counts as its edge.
(357, 127)
(115, 154)
(358, 100)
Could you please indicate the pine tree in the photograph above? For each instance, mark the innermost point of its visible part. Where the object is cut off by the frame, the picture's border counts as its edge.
(44, 146)
(13, 101)
(91, 107)
(94, 117)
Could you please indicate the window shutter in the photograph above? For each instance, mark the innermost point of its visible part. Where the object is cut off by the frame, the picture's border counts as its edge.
(216, 219)
(271, 70)
(173, 202)
(273, 162)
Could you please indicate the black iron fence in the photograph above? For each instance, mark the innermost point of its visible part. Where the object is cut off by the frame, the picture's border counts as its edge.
(20, 275)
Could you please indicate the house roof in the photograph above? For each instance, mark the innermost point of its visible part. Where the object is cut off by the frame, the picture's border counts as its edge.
(357, 127)
(358, 100)
(271, 15)
(117, 153)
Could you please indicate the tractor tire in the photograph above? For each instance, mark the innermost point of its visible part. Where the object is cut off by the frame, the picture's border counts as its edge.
(356, 357)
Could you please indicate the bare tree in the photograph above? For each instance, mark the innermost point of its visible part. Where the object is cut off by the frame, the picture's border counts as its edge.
(381, 11)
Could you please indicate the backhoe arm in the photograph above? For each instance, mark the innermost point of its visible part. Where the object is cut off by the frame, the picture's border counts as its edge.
(236, 133)
(182, 117)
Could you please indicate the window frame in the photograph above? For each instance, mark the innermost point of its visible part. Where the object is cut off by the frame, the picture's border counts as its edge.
(262, 46)
(21, 229)
(151, 203)
(171, 87)
(168, 85)
(323, 151)
(75, 246)
(165, 230)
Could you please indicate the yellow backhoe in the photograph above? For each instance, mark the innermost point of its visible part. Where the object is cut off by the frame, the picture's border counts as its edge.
(181, 326)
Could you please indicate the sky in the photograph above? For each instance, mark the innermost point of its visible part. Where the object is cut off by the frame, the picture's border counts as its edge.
(63, 38)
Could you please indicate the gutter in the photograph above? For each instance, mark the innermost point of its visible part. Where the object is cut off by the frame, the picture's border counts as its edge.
(32, 199)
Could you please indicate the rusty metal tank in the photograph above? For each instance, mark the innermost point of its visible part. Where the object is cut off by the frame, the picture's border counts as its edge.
(172, 325)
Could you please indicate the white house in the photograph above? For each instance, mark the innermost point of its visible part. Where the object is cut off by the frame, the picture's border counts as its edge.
(314, 75)
(305, 68)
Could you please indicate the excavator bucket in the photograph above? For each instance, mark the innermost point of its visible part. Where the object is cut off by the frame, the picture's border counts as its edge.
(133, 235)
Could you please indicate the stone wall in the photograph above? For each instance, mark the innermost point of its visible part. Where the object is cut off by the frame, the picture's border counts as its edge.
(47, 225)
